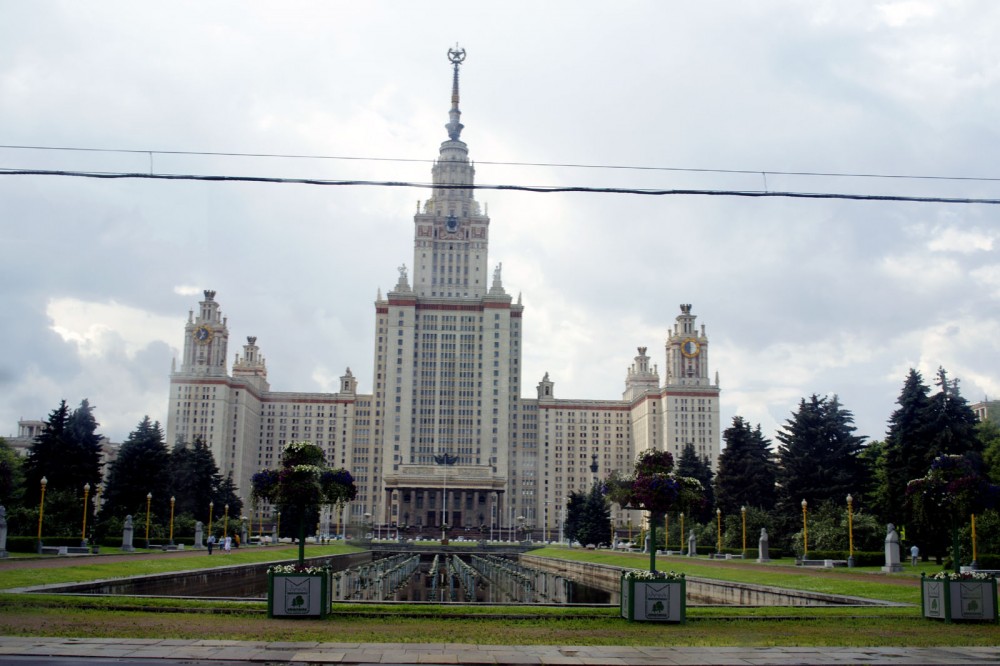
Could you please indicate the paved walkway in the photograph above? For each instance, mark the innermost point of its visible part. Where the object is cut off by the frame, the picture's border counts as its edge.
(249, 652)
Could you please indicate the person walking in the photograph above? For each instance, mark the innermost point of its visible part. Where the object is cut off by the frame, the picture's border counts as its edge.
(914, 554)
(211, 543)
(228, 544)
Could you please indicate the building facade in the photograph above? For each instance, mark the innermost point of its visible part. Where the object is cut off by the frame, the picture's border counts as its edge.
(445, 437)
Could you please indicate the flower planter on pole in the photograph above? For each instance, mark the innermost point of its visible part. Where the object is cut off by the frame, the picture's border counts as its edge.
(948, 596)
(302, 484)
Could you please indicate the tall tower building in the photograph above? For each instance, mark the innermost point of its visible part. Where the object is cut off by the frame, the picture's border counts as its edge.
(445, 436)
(447, 358)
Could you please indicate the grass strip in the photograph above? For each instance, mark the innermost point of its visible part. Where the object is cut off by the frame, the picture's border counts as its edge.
(829, 581)
(94, 569)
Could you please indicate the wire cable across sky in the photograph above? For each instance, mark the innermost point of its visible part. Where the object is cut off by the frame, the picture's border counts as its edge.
(537, 189)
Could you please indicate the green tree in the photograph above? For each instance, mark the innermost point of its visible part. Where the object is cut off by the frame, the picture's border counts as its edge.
(303, 484)
(195, 481)
(11, 475)
(747, 469)
(988, 433)
(67, 454)
(908, 449)
(141, 468)
(819, 455)
(693, 466)
(953, 489)
(952, 422)
(225, 494)
(923, 428)
(588, 517)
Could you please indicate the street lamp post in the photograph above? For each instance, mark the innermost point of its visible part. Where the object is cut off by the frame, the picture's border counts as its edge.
(682, 532)
(225, 524)
(743, 513)
(718, 519)
(172, 502)
(974, 564)
(83, 530)
(666, 531)
(805, 531)
(149, 499)
(211, 506)
(41, 512)
(850, 531)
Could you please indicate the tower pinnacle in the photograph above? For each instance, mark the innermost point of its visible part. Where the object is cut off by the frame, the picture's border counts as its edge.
(454, 127)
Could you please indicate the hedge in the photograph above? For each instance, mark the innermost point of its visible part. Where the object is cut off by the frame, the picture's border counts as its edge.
(862, 558)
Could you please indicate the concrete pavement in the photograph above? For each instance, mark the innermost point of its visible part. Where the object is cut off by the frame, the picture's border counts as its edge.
(249, 652)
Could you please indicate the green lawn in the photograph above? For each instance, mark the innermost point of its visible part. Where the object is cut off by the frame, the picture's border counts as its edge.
(56, 615)
(829, 581)
(149, 562)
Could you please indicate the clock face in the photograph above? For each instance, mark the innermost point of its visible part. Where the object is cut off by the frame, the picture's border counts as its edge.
(451, 224)
(690, 347)
(203, 334)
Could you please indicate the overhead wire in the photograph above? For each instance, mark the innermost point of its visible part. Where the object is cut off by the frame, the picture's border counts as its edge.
(567, 165)
(540, 189)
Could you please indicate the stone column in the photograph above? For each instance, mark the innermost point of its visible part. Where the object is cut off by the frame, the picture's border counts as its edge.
(198, 527)
(692, 545)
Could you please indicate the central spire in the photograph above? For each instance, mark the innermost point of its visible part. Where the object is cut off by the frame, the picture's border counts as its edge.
(454, 127)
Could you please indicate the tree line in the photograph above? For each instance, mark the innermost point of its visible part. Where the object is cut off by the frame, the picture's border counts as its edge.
(821, 460)
(145, 474)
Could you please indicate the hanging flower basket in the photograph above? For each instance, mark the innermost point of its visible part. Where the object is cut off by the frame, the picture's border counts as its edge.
(963, 596)
(653, 596)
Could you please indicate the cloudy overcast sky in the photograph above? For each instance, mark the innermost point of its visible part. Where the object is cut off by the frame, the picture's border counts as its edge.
(797, 296)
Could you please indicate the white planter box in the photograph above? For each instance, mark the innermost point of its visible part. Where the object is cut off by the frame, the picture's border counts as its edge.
(959, 599)
(654, 600)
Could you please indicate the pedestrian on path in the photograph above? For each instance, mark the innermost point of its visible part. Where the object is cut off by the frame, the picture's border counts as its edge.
(914, 554)
(211, 543)
(228, 544)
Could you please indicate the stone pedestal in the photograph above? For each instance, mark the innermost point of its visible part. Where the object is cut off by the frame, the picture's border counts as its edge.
(892, 564)
(3, 532)
(127, 535)
(762, 554)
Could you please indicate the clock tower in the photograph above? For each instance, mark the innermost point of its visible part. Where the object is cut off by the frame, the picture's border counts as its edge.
(206, 338)
(691, 398)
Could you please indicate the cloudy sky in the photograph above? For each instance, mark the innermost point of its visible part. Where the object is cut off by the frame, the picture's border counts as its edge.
(798, 296)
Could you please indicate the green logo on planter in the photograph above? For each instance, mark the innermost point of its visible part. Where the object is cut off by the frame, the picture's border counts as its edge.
(296, 596)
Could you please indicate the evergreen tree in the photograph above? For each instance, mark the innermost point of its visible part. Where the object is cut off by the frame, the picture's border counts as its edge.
(195, 479)
(45, 455)
(819, 456)
(747, 469)
(142, 467)
(952, 422)
(11, 475)
(225, 494)
(690, 464)
(85, 460)
(908, 450)
(921, 429)
(989, 435)
(588, 517)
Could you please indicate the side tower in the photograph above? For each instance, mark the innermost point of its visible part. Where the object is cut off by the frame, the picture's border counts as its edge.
(691, 399)
(199, 403)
